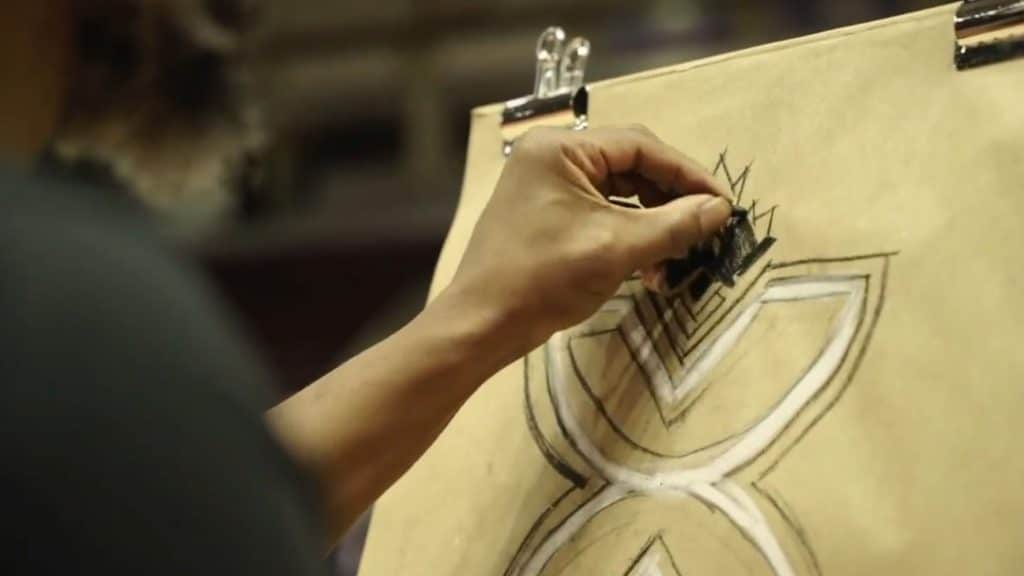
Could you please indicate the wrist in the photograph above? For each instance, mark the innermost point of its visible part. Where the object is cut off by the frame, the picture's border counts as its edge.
(487, 331)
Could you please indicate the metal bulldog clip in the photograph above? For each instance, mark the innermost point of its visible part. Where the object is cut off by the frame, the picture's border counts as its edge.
(559, 95)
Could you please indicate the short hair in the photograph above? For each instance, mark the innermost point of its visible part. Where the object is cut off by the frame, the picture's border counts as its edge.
(159, 96)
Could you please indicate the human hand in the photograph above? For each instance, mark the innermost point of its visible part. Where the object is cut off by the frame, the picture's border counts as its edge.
(550, 248)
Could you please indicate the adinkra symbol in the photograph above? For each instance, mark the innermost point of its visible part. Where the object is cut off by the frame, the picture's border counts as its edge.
(715, 306)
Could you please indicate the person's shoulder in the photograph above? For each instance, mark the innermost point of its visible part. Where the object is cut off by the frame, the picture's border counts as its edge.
(41, 217)
(125, 382)
(84, 271)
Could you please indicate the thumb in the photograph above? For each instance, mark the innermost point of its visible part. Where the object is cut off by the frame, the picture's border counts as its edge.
(670, 230)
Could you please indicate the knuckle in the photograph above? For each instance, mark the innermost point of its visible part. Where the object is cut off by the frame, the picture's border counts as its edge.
(642, 132)
(605, 242)
(541, 142)
(601, 253)
(641, 129)
(540, 135)
(583, 252)
(527, 144)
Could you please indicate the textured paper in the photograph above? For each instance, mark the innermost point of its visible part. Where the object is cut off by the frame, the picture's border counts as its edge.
(853, 406)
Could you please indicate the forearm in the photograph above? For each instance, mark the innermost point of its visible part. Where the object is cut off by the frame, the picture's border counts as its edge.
(360, 427)
(547, 252)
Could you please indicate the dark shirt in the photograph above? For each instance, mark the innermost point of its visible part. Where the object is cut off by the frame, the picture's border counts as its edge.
(131, 418)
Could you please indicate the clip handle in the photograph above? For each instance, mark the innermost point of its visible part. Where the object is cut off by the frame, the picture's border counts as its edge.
(574, 64)
(550, 47)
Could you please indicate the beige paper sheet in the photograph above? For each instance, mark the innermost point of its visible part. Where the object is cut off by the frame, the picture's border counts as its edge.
(853, 406)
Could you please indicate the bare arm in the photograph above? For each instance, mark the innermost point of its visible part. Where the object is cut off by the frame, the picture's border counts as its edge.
(547, 252)
(363, 424)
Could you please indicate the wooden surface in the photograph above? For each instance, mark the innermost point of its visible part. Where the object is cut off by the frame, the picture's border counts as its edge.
(851, 407)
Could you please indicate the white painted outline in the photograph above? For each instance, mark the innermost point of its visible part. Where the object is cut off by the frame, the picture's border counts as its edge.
(709, 482)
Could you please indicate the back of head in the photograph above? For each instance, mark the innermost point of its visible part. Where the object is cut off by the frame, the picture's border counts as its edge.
(158, 97)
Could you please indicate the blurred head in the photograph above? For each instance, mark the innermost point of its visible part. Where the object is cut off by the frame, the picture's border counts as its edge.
(151, 89)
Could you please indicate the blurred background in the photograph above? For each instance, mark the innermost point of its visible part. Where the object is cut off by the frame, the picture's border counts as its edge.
(370, 105)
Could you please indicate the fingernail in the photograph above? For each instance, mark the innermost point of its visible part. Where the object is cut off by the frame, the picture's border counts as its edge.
(715, 212)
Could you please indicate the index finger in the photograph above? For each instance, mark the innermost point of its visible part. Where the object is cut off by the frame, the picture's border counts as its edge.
(637, 150)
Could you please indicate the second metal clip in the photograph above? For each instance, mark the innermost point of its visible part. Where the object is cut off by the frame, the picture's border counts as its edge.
(559, 95)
